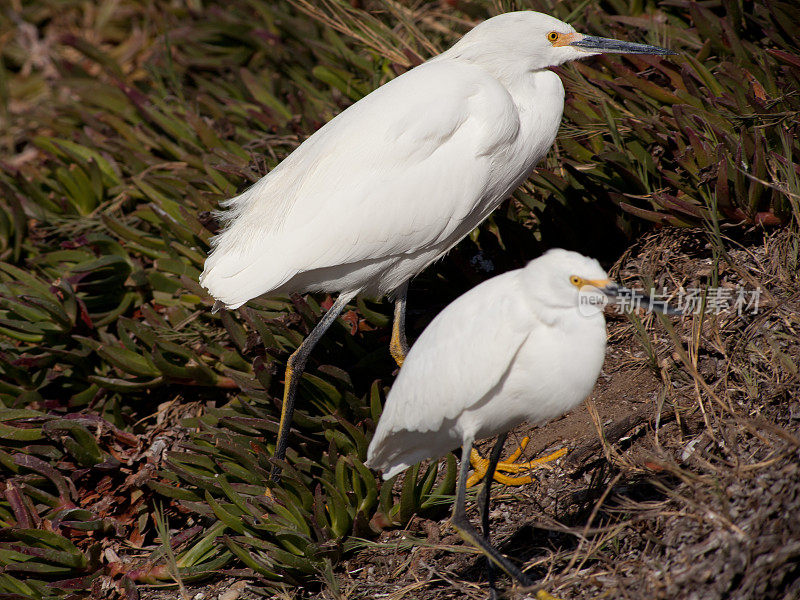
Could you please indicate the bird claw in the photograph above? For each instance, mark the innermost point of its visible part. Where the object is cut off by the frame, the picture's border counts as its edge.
(481, 465)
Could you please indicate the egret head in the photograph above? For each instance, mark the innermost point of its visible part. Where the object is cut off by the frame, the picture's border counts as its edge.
(535, 41)
(561, 279)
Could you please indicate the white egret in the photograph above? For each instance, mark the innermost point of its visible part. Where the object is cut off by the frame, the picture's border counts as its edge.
(527, 345)
(397, 179)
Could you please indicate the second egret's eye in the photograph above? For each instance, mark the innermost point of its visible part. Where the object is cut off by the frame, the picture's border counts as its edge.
(552, 36)
(576, 281)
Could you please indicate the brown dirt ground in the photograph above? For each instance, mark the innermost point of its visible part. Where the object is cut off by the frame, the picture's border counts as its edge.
(694, 492)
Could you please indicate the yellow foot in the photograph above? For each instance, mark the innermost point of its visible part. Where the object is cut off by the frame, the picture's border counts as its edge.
(481, 465)
(542, 595)
(397, 353)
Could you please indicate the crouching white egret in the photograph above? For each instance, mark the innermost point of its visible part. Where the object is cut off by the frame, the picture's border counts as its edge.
(527, 345)
(396, 180)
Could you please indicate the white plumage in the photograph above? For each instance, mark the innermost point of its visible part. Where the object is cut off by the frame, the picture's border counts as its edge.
(398, 178)
(516, 348)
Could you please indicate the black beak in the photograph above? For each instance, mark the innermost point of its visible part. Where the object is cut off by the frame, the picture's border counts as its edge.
(609, 46)
(631, 299)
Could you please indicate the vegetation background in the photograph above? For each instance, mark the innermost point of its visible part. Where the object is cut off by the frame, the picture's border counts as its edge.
(136, 428)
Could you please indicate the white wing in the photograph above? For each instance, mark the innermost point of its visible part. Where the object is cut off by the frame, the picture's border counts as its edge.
(455, 364)
(396, 173)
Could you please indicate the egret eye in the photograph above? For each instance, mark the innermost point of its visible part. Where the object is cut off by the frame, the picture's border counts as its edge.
(552, 36)
(576, 281)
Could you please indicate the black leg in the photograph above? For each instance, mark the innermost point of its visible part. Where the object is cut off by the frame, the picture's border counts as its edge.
(469, 533)
(294, 370)
(483, 501)
(398, 347)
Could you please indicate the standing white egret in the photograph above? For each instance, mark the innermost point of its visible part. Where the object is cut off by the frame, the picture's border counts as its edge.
(397, 179)
(527, 345)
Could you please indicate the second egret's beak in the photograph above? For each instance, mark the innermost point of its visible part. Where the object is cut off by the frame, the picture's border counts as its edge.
(637, 299)
(590, 43)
